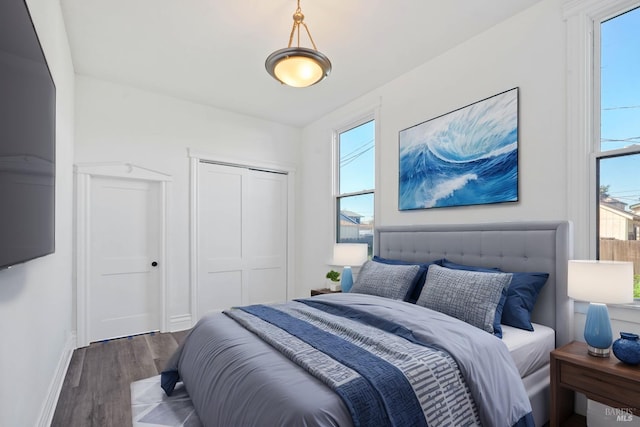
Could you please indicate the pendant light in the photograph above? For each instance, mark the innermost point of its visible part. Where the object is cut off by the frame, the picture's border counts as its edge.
(298, 66)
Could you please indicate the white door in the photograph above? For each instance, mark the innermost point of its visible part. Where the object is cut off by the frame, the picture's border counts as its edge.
(220, 266)
(124, 294)
(266, 238)
(241, 237)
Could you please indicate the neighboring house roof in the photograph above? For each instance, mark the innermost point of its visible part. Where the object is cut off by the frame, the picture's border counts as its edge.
(350, 219)
(615, 203)
(627, 215)
(351, 214)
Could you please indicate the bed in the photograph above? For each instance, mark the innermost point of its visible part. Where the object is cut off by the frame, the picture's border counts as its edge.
(236, 378)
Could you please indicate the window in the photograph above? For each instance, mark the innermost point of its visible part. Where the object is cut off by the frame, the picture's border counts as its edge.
(355, 184)
(617, 138)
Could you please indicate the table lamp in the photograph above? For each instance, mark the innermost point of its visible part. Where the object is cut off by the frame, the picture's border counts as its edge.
(348, 255)
(600, 283)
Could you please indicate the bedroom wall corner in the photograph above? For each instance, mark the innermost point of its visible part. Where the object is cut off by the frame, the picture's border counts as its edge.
(36, 298)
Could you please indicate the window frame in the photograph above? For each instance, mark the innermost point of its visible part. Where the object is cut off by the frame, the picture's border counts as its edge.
(583, 19)
(598, 154)
(371, 115)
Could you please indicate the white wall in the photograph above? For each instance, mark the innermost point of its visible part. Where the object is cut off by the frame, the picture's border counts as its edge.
(36, 297)
(120, 123)
(527, 51)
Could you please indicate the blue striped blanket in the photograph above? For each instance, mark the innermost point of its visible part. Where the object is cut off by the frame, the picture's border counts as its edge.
(384, 375)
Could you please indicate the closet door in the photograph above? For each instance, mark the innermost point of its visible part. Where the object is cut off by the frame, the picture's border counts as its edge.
(220, 194)
(241, 237)
(266, 238)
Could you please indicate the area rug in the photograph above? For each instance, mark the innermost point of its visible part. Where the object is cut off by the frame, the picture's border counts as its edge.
(151, 407)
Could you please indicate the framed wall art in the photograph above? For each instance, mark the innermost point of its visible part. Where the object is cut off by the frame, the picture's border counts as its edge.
(466, 157)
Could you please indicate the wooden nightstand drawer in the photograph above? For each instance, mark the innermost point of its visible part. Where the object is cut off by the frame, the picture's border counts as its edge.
(599, 385)
(605, 380)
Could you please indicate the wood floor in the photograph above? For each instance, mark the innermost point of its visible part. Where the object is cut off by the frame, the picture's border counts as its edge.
(95, 392)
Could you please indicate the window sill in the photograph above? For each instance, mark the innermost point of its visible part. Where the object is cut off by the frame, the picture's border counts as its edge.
(623, 312)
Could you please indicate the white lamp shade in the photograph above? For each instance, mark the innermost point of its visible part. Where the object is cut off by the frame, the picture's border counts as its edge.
(606, 282)
(349, 254)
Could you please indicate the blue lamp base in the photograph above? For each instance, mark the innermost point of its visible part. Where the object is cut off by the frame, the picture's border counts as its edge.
(347, 279)
(597, 330)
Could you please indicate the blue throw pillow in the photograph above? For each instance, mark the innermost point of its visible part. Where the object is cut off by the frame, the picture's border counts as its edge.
(497, 328)
(455, 266)
(521, 297)
(168, 381)
(418, 281)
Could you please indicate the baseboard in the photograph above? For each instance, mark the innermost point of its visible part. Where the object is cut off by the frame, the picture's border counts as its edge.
(49, 406)
(180, 323)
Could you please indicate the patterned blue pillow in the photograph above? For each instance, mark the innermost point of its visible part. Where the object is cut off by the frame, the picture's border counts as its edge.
(470, 296)
(418, 281)
(497, 327)
(385, 280)
(521, 296)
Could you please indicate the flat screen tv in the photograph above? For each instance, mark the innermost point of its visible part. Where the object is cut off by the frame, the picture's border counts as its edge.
(27, 140)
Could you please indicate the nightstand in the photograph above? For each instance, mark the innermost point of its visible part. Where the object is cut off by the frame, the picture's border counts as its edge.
(315, 292)
(605, 380)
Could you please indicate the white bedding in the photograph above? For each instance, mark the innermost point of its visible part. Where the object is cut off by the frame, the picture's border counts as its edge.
(529, 349)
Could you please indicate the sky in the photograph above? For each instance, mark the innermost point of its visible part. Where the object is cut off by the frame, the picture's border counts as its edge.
(620, 104)
(357, 168)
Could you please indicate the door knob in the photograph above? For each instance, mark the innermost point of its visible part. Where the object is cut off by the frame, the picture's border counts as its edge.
(154, 264)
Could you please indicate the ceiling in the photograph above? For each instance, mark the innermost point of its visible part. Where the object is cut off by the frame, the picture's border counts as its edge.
(213, 51)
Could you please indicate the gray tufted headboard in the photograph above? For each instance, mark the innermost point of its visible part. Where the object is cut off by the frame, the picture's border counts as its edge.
(544, 246)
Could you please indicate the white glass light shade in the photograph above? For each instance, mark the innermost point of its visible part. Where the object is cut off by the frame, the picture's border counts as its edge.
(606, 282)
(349, 254)
(298, 66)
(298, 71)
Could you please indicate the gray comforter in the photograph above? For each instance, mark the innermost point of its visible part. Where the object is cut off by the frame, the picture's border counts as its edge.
(236, 379)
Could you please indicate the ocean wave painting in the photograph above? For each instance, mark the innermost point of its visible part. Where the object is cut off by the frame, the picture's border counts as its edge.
(466, 157)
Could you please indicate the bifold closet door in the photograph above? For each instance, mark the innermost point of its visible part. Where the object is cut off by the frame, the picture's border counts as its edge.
(265, 240)
(241, 237)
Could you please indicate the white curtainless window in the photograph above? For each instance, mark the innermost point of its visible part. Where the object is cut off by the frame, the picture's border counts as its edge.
(355, 183)
(616, 142)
